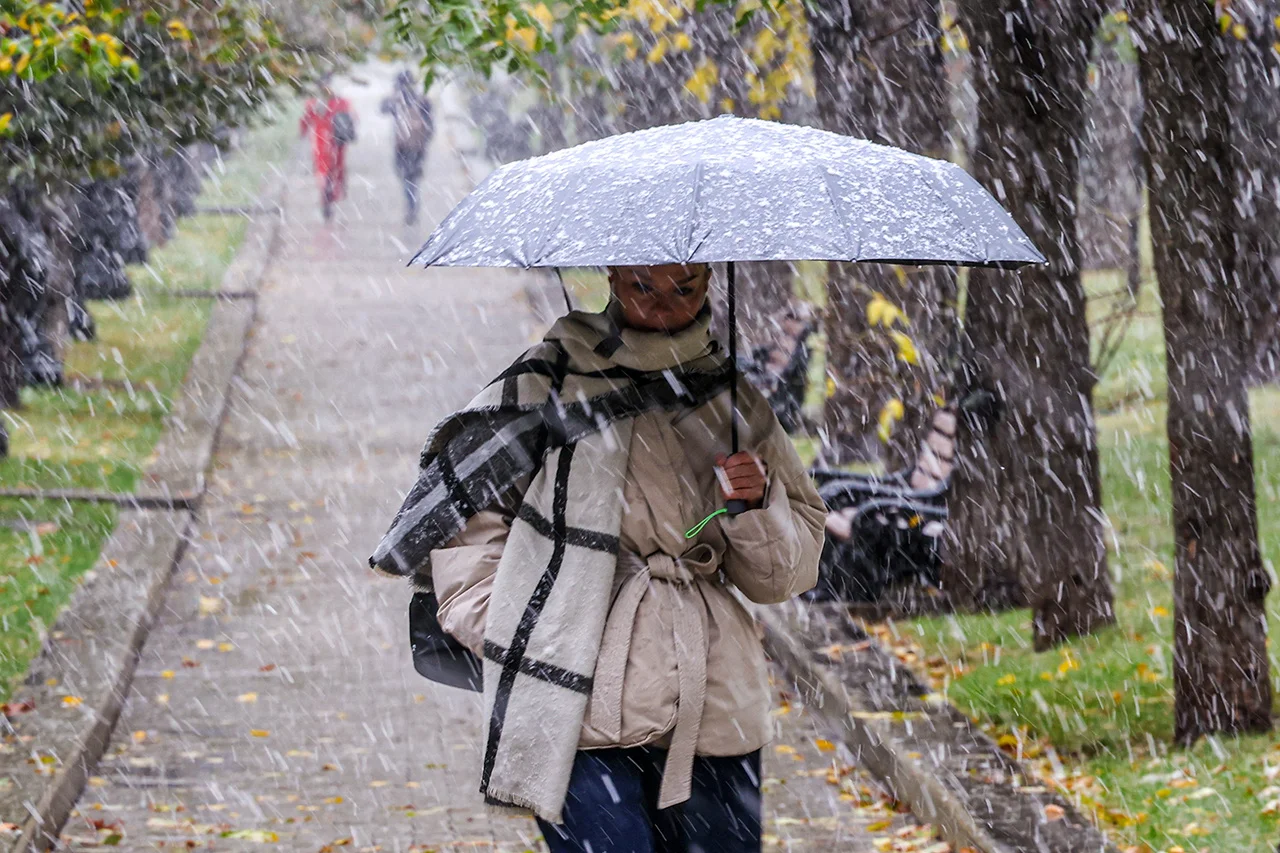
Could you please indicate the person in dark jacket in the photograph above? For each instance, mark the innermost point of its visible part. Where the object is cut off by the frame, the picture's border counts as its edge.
(411, 112)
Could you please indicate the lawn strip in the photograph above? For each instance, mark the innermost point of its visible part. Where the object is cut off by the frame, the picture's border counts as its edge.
(99, 431)
(1096, 714)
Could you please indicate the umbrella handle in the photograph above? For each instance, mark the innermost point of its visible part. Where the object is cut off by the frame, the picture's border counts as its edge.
(733, 507)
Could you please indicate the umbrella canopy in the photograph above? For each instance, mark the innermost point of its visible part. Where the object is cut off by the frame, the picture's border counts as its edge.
(727, 189)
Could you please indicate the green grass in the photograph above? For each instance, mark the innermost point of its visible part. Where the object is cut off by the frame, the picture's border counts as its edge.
(39, 569)
(1135, 375)
(99, 431)
(1097, 713)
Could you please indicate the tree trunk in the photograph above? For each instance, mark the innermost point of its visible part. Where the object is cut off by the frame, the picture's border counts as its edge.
(1221, 678)
(654, 93)
(24, 265)
(1111, 159)
(1254, 80)
(181, 170)
(59, 217)
(106, 230)
(880, 75)
(765, 299)
(765, 288)
(153, 204)
(1025, 501)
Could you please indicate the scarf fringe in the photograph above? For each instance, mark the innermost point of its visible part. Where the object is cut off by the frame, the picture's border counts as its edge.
(511, 805)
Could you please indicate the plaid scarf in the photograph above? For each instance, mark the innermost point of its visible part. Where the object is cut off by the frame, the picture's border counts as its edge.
(570, 428)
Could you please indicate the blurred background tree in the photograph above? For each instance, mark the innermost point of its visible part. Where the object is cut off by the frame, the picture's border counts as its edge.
(104, 109)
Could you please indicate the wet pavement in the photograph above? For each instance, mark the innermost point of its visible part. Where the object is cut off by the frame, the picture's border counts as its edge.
(275, 702)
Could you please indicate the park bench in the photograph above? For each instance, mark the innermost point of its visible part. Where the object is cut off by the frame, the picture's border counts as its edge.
(887, 531)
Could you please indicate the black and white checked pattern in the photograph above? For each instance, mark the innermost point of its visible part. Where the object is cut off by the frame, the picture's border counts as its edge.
(478, 453)
(571, 431)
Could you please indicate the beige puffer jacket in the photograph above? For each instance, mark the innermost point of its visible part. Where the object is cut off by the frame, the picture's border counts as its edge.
(680, 662)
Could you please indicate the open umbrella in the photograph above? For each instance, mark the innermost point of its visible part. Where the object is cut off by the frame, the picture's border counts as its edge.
(724, 190)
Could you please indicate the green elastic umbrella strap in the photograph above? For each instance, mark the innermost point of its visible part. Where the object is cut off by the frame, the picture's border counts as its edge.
(697, 528)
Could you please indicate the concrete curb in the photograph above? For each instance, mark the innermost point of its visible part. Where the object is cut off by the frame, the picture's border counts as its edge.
(79, 682)
(929, 754)
(186, 449)
(90, 655)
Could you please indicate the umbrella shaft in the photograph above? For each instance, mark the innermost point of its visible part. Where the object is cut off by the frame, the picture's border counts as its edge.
(737, 506)
(733, 360)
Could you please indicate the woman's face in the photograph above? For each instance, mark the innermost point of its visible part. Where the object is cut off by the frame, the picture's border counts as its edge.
(664, 298)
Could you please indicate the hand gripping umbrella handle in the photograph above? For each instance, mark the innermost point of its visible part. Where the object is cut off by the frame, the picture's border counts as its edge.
(736, 506)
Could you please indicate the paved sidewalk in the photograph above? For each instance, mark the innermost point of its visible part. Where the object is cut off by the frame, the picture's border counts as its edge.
(275, 701)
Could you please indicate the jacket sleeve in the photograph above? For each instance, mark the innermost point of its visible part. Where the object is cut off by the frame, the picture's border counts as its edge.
(462, 571)
(773, 550)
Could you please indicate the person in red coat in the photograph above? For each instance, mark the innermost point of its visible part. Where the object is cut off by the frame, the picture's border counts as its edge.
(329, 120)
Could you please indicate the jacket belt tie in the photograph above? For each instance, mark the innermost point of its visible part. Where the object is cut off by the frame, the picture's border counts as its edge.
(674, 576)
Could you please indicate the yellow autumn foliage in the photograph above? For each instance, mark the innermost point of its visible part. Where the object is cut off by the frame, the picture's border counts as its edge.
(525, 38)
(779, 49)
(906, 347)
(543, 16)
(882, 312)
(703, 80)
(890, 413)
(658, 51)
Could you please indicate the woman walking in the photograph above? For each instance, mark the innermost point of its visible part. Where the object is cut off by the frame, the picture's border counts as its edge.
(332, 126)
(411, 112)
(569, 525)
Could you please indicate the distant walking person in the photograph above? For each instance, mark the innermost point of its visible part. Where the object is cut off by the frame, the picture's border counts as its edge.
(411, 111)
(330, 121)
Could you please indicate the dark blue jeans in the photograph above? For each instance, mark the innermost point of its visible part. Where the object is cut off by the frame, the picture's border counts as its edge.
(612, 806)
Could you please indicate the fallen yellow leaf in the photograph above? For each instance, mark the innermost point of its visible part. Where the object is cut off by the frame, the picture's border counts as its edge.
(247, 697)
(259, 732)
(261, 835)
